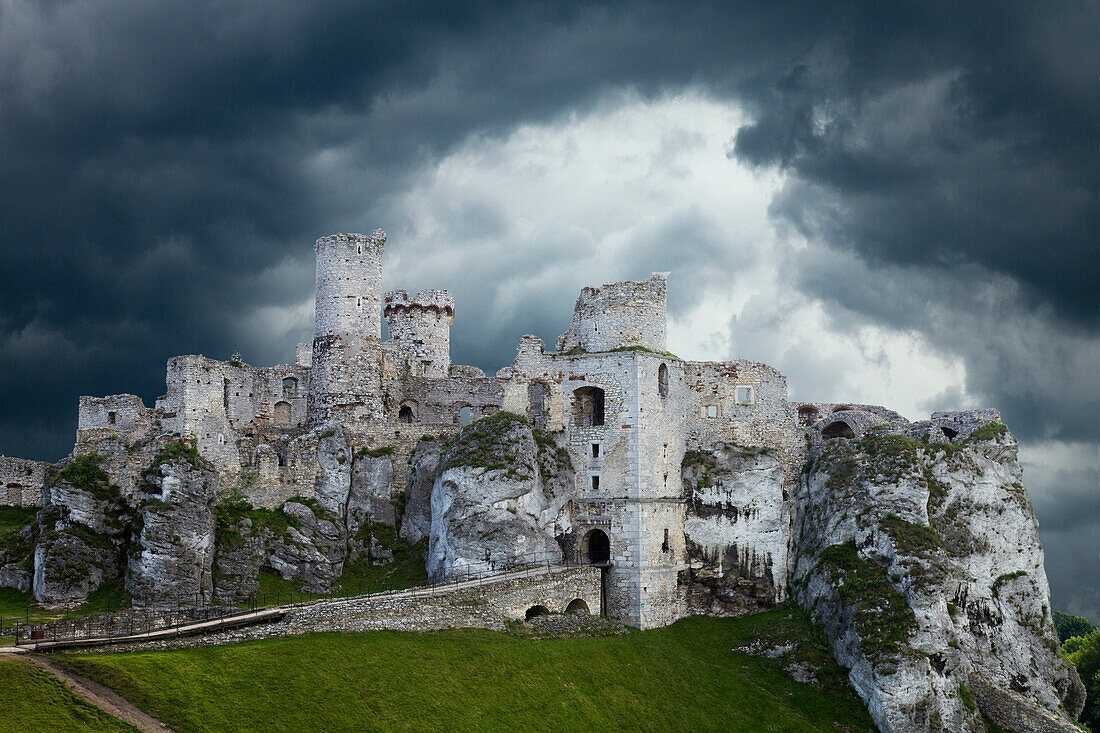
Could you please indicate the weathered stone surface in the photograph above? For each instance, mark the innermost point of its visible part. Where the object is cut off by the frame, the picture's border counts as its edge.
(14, 576)
(491, 503)
(334, 457)
(173, 543)
(71, 560)
(923, 563)
(736, 530)
(370, 497)
(416, 523)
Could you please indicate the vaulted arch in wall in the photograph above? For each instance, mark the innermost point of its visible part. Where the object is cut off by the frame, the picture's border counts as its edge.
(282, 413)
(290, 386)
(588, 406)
(406, 413)
(533, 611)
(596, 547)
(839, 429)
(662, 380)
(577, 605)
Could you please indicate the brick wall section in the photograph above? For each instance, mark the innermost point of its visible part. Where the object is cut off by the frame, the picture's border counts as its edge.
(468, 606)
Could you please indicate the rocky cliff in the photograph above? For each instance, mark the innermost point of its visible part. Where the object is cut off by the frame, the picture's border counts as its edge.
(500, 493)
(921, 559)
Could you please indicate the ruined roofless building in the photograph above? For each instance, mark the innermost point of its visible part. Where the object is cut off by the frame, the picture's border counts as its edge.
(348, 422)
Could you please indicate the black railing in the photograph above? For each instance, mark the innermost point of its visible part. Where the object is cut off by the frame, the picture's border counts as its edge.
(157, 614)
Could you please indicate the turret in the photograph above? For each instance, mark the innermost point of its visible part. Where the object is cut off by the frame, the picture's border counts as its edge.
(422, 327)
(346, 379)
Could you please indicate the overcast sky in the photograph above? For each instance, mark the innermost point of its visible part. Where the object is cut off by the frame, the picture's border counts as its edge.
(891, 206)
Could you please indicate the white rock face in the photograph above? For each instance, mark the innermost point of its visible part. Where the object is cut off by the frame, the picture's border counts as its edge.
(737, 530)
(483, 517)
(334, 457)
(923, 563)
(369, 495)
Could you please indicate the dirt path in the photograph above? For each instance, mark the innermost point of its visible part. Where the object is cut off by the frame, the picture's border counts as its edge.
(102, 697)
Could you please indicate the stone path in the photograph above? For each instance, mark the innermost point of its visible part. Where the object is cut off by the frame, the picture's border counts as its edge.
(102, 697)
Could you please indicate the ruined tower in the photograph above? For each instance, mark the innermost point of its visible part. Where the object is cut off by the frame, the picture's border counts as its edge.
(422, 327)
(617, 315)
(346, 381)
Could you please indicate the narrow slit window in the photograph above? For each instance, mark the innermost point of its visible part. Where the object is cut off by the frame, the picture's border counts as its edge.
(595, 450)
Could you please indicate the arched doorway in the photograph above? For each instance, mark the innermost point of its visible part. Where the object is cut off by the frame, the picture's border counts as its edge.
(535, 611)
(577, 605)
(405, 414)
(599, 547)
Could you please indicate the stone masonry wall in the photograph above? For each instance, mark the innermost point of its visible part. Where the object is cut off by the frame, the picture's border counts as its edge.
(619, 314)
(22, 482)
(469, 606)
(421, 326)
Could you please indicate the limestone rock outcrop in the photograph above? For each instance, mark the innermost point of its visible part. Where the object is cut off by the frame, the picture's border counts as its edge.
(922, 562)
(736, 530)
(500, 496)
(172, 549)
(416, 521)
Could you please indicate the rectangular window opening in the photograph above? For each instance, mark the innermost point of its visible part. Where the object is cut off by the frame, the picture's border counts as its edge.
(112, 418)
(595, 450)
(665, 547)
(743, 394)
(595, 483)
(712, 410)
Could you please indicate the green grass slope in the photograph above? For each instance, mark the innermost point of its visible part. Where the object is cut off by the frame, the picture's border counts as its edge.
(685, 677)
(33, 700)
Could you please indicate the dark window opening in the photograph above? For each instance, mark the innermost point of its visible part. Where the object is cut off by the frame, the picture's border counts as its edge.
(595, 450)
(808, 414)
(405, 414)
(664, 547)
(112, 418)
(662, 380)
(535, 611)
(949, 433)
(536, 404)
(599, 547)
(595, 483)
(577, 605)
(839, 429)
(589, 407)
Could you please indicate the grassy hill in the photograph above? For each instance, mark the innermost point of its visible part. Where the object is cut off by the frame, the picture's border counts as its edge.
(33, 700)
(685, 677)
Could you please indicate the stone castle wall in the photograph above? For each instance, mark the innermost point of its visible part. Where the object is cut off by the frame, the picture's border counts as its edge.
(619, 314)
(421, 326)
(22, 482)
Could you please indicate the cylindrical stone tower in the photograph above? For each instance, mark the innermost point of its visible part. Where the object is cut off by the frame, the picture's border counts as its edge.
(346, 375)
(349, 284)
(422, 327)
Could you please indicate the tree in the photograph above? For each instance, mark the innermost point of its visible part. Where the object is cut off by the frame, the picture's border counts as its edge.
(1069, 626)
(1087, 661)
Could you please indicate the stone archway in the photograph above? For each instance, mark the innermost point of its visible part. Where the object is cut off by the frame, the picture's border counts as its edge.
(597, 547)
(838, 429)
(577, 605)
(534, 611)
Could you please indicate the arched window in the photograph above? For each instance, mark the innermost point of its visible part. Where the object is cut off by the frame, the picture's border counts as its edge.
(839, 429)
(808, 414)
(405, 414)
(662, 380)
(282, 413)
(465, 415)
(290, 387)
(599, 547)
(588, 406)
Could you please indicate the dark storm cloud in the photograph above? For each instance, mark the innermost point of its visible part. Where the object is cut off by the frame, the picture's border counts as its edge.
(158, 158)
